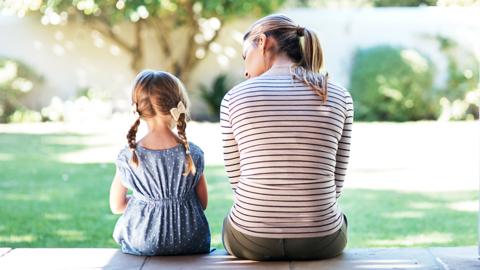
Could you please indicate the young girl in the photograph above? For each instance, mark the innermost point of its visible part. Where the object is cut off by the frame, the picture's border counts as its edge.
(164, 215)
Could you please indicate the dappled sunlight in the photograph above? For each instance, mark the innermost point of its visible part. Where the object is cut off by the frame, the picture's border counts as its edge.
(466, 206)
(72, 173)
(423, 205)
(71, 235)
(434, 238)
(388, 264)
(57, 216)
(237, 262)
(12, 239)
(404, 214)
(25, 197)
(5, 157)
(89, 155)
(216, 237)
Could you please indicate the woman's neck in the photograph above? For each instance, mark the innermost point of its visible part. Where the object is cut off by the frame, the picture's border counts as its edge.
(280, 66)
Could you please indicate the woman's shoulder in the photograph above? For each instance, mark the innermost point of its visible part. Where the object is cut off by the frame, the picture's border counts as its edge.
(250, 83)
(340, 91)
(334, 86)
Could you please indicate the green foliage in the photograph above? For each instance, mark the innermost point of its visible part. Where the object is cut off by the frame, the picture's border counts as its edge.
(213, 96)
(201, 20)
(365, 3)
(392, 84)
(16, 80)
(461, 95)
(117, 11)
(25, 116)
(403, 3)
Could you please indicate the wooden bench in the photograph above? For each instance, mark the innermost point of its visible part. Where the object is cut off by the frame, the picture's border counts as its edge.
(107, 258)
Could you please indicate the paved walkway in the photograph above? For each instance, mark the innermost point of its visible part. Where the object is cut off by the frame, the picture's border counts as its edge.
(462, 258)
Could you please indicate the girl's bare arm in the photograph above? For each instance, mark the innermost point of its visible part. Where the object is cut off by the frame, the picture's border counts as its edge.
(201, 190)
(118, 195)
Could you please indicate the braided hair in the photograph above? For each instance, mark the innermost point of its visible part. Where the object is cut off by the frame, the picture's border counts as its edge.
(156, 93)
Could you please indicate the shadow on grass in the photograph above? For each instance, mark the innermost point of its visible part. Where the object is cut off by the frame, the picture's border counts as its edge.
(386, 218)
(49, 203)
(380, 218)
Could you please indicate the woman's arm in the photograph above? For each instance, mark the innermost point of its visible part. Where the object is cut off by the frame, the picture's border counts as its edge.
(202, 193)
(231, 155)
(343, 151)
(118, 195)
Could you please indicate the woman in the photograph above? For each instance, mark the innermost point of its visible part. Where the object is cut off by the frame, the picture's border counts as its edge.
(286, 134)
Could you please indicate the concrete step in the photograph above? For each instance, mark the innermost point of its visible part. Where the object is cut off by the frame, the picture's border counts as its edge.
(463, 258)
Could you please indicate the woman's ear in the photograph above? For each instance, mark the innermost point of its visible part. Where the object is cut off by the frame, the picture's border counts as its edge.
(262, 43)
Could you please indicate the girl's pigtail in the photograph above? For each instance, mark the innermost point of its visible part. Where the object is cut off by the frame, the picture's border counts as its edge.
(132, 143)
(181, 126)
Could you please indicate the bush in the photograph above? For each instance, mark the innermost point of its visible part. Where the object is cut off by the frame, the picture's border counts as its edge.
(213, 96)
(16, 80)
(461, 95)
(392, 84)
(23, 116)
(89, 105)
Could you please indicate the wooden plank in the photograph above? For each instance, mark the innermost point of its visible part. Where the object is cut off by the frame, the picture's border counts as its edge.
(70, 258)
(457, 257)
(375, 258)
(217, 260)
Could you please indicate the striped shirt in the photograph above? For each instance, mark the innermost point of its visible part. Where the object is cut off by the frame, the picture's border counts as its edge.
(286, 154)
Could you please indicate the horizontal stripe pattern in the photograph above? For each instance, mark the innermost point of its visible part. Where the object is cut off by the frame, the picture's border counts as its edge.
(286, 154)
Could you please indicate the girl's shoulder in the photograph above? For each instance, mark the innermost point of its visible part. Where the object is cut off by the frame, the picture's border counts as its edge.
(124, 153)
(195, 149)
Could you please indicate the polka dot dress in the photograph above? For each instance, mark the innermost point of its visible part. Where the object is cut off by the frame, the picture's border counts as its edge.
(164, 215)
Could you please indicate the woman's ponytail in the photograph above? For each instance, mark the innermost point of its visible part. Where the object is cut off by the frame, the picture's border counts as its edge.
(308, 70)
(300, 44)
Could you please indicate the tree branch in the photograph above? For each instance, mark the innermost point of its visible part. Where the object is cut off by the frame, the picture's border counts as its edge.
(102, 25)
(137, 52)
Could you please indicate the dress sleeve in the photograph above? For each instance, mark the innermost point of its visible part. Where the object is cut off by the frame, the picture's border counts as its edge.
(123, 166)
(200, 164)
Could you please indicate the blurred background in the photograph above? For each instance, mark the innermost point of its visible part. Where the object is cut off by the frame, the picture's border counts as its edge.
(66, 68)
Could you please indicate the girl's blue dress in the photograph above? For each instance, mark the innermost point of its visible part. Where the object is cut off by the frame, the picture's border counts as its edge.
(164, 215)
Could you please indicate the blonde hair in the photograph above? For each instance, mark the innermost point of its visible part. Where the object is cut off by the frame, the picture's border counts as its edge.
(154, 93)
(306, 54)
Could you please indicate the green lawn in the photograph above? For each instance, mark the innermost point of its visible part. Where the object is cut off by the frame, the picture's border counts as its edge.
(45, 202)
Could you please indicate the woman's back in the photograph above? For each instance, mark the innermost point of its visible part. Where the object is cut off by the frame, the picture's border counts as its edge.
(164, 215)
(284, 156)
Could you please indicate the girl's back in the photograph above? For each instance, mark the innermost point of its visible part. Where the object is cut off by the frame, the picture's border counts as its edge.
(163, 216)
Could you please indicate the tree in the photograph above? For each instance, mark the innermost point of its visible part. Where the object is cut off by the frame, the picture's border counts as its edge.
(201, 21)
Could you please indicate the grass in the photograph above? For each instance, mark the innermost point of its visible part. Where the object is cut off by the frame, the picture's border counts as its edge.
(47, 202)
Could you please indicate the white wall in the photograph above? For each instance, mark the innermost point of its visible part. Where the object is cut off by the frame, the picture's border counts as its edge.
(66, 56)
(72, 56)
(343, 31)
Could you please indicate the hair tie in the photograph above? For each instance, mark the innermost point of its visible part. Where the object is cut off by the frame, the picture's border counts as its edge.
(300, 31)
(176, 112)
